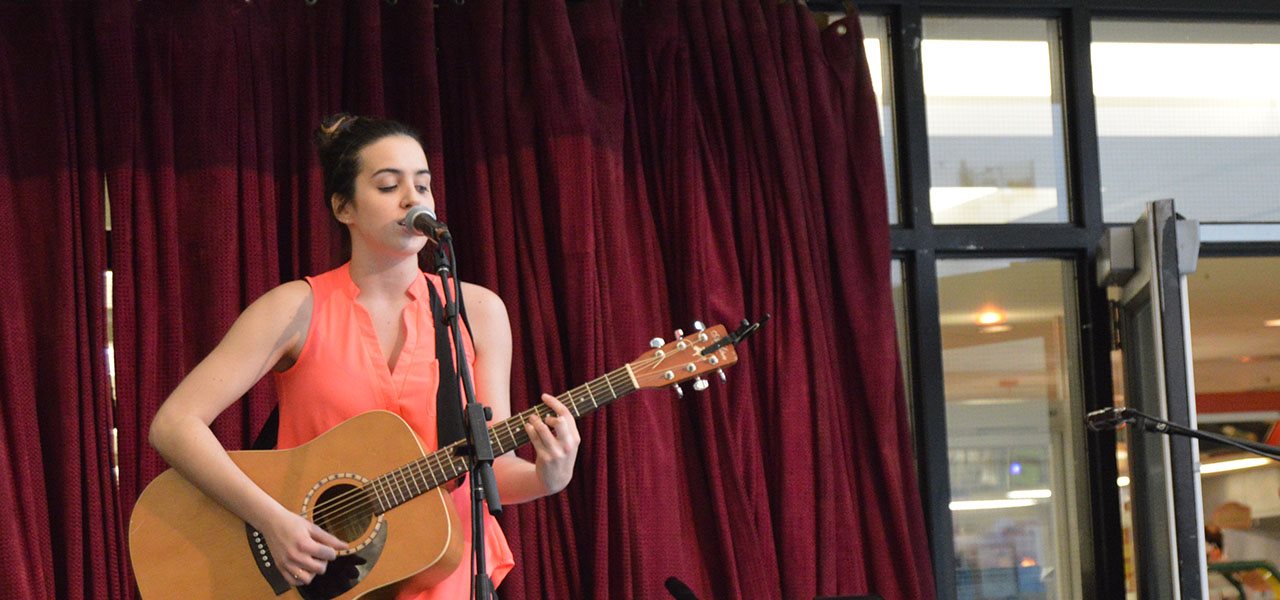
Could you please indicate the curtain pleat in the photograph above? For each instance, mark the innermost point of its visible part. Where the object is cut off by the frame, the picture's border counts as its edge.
(612, 170)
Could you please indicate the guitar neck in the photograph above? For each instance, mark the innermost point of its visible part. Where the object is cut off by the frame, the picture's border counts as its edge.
(427, 473)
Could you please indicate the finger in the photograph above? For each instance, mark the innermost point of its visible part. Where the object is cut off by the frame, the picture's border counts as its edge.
(288, 574)
(535, 437)
(321, 551)
(311, 565)
(298, 576)
(549, 446)
(564, 421)
(324, 537)
(561, 410)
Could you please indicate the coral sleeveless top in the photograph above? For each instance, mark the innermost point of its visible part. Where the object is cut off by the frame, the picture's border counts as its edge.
(341, 373)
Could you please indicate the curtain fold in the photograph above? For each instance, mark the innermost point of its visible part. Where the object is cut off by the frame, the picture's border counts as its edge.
(218, 188)
(613, 170)
(63, 535)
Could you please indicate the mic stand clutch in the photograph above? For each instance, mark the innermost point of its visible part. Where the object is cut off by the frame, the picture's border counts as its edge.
(1114, 418)
(479, 448)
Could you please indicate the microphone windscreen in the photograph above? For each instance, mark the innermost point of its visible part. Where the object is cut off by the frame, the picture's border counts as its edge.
(679, 590)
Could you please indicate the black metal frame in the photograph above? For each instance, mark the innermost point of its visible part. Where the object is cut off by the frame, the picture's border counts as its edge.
(918, 244)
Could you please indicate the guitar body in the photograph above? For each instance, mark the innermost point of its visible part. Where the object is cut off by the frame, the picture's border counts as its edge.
(185, 545)
(368, 482)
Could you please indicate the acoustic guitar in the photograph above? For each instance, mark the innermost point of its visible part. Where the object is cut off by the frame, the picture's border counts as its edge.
(369, 482)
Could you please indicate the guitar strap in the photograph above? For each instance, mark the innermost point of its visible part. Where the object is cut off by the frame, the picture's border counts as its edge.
(448, 397)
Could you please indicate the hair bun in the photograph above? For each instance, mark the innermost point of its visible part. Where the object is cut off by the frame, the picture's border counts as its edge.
(331, 127)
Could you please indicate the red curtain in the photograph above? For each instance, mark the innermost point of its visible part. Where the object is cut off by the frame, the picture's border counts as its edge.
(62, 533)
(612, 170)
(214, 181)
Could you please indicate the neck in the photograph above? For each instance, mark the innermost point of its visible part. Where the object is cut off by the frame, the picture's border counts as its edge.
(381, 275)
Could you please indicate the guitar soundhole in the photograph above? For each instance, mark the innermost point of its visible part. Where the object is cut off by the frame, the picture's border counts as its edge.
(344, 510)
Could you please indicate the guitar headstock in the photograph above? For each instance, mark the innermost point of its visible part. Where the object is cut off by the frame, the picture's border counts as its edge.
(690, 357)
(683, 359)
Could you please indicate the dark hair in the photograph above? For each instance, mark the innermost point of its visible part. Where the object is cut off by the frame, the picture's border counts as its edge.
(339, 140)
(1213, 536)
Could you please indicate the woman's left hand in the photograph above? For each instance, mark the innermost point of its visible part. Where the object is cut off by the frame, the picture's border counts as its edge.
(556, 440)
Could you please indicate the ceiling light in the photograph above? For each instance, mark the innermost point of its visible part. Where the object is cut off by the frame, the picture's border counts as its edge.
(1026, 494)
(1271, 323)
(991, 504)
(1233, 465)
(995, 329)
(989, 315)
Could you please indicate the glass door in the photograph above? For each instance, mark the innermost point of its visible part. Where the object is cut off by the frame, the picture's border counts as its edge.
(1145, 268)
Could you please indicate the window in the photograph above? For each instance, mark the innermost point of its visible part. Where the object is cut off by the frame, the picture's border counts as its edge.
(1185, 111)
(994, 105)
(1007, 329)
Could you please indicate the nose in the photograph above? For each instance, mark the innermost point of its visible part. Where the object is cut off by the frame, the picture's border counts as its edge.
(413, 197)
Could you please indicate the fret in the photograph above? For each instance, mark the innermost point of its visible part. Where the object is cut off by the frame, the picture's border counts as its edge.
(424, 471)
(396, 492)
(594, 404)
(400, 485)
(416, 477)
(573, 404)
(611, 392)
(377, 495)
(425, 464)
(508, 437)
(401, 489)
(383, 497)
(437, 469)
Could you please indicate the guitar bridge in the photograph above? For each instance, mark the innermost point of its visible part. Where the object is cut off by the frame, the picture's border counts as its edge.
(264, 561)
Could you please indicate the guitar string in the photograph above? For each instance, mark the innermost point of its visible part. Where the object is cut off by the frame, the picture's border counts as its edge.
(403, 473)
(351, 507)
(345, 509)
(348, 506)
(350, 499)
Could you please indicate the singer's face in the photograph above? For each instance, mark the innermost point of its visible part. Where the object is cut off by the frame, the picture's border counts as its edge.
(393, 178)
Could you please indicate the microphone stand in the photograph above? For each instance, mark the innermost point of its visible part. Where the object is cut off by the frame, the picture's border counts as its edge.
(1114, 418)
(479, 448)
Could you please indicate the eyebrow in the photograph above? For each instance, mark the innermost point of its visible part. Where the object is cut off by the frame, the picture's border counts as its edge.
(398, 172)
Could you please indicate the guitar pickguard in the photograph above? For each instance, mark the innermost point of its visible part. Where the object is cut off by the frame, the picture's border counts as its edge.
(344, 572)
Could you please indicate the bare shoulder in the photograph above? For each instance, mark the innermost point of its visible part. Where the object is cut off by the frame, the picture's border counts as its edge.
(287, 297)
(281, 308)
(482, 301)
(488, 318)
(278, 320)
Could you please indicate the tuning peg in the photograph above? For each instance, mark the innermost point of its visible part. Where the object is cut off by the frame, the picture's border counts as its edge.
(698, 326)
(679, 334)
(700, 384)
(679, 391)
(723, 377)
(656, 343)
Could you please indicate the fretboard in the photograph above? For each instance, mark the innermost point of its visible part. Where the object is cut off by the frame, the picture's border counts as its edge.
(420, 476)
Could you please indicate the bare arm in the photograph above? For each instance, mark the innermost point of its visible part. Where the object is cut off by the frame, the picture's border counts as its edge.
(269, 332)
(556, 439)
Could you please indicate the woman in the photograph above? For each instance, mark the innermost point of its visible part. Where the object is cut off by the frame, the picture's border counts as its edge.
(370, 321)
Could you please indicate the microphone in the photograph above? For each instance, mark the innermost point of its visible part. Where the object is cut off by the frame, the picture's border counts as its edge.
(678, 589)
(421, 219)
(1109, 418)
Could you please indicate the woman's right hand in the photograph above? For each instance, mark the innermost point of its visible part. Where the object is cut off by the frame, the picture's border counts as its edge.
(302, 549)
